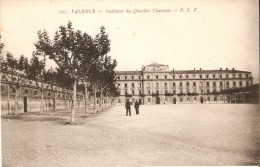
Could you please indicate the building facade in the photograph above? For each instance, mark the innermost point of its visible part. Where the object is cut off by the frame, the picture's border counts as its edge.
(157, 84)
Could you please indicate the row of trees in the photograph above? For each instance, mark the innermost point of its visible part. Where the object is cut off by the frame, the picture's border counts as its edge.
(82, 65)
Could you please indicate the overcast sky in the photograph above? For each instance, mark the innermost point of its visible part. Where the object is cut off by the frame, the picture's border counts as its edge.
(218, 34)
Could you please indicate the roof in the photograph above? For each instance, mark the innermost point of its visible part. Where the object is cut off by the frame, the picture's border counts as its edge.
(129, 72)
(207, 71)
(155, 64)
(185, 72)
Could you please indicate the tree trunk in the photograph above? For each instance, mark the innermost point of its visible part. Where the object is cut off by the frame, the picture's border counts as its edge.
(54, 102)
(8, 103)
(73, 101)
(86, 100)
(41, 107)
(95, 96)
(65, 100)
(16, 102)
(101, 100)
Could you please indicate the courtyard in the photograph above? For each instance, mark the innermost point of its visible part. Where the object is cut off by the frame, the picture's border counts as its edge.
(162, 135)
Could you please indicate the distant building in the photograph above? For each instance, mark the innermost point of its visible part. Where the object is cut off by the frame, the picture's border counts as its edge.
(157, 84)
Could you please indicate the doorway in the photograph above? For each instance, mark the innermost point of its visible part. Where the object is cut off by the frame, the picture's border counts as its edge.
(201, 99)
(174, 100)
(157, 100)
(25, 104)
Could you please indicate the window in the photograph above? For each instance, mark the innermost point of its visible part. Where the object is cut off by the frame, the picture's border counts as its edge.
(240, 83)
(119, 100)
(125, 92)
(149, 100)
(226, 75)
(165, 84)
(207, 83)
(187, 76)
(239, 75)
(139, 77)
(180, 83)
(148, 76)
(3, 77)
(157, 92)
(214, 83)
(173, 76)
(166, 92)
(125, 77)
(173, 84)
(220, 76)
(149, 92)
(207, 91)
(125, 85)
(214, 76)
(156, 76)
(26, 91)
(133, 85)
(35, 93)
(133, 77)
(227, 83)
(140, 85)
(187, 84)
(234, 83)
(180, 76)
(140, 92)
(194, 83)
(246, 75)
(181, 99)
(157, 85)
(220, 83)
(247, 83)
(207, 76)
(30, 82)
(133, 92)
(200, 76)
(165, 76)
(174, 92)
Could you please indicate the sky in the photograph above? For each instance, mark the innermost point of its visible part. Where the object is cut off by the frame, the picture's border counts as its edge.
(213, 35)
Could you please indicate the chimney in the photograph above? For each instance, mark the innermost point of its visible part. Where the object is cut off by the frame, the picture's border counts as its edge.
(233, 69)
(220, 69)
(200, 69)
(226, 69)
(173, 70)
(194, 69)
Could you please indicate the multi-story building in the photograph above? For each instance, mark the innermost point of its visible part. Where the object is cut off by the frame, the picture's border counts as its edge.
(157, 84)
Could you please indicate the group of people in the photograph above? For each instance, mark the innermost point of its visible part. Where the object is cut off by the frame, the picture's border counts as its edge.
(128, 107)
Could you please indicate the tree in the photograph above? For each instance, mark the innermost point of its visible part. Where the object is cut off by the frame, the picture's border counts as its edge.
(67, 49)
(15, 71)
(37, 72)
(93, 65)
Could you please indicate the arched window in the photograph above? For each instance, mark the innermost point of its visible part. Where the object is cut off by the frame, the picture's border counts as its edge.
(2, 89)
(26, 91)
(35, 93)
(3, 77)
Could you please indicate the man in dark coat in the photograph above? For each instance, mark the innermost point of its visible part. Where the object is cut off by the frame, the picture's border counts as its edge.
(137, 105)
(128, 107)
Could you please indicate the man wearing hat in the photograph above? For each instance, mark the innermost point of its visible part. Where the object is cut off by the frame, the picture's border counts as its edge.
(128, 107)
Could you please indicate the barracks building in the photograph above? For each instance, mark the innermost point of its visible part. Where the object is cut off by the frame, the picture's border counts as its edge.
(157, 84)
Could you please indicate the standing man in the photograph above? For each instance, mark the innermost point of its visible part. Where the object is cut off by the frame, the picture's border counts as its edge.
(128, 107)
(137, 105)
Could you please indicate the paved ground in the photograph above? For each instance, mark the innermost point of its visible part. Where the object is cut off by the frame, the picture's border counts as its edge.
(199, 134)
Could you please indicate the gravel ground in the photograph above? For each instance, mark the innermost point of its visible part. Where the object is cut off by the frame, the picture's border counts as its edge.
(162, 135)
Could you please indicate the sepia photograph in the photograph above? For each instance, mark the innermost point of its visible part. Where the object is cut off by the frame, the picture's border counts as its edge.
(129, 83)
